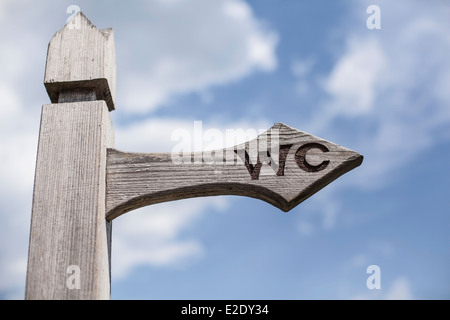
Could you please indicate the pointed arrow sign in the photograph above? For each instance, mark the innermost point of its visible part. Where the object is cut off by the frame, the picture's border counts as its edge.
(282, 166)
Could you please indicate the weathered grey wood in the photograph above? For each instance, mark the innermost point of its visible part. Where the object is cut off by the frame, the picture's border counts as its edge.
(138, 179)
(68, 221)
(82, 57)
(68, 225)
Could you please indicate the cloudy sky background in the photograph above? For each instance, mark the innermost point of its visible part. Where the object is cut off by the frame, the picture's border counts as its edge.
(248, 64)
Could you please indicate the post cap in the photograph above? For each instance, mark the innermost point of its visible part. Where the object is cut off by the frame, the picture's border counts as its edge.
(80, 56)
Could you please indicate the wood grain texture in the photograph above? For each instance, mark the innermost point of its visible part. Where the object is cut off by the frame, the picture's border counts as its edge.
(305, 165)
(82, 57)
(68, 224)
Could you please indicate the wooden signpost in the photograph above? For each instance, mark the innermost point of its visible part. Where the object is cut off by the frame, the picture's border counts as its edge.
(82, 183)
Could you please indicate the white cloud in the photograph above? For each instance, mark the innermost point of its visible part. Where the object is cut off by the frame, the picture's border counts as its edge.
(261, 51)
(353, 82)
(391, 85)
(17, 61)
(190, 50)
(396, 82)
(237, 10)
(18, 137)
(149, 135)
(155, 134)
(22, 61)
(153, 235)
(10, 105)
(3, 8)
(399, 290)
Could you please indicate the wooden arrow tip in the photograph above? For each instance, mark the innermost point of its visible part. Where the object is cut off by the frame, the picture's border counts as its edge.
(280, 125)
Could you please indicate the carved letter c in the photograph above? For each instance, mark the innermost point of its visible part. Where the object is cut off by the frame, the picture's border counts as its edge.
(300, 157)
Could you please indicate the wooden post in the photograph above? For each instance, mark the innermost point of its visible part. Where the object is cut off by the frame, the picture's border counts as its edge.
(69, 251)
(82, 183)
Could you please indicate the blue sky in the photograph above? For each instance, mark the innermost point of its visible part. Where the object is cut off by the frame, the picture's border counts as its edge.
(313, 65)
